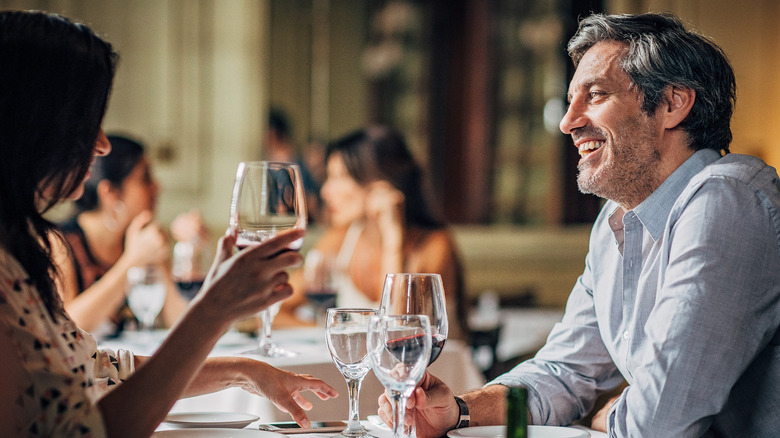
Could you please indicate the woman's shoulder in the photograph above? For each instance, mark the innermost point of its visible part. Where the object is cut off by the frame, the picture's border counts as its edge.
(331, 239)
(439, 238)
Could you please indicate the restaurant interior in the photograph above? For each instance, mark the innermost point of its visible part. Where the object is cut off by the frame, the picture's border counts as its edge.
(476, 86)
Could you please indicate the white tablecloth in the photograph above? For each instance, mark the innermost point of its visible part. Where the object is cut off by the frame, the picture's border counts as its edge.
(454, 366)
(374, 430)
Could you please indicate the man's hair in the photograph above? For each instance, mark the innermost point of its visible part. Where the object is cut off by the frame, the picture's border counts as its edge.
(662, 53)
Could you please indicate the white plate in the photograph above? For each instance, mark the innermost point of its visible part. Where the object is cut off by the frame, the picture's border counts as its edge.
(234, 420)
(533, 432)
(376, 421)
(217, 433)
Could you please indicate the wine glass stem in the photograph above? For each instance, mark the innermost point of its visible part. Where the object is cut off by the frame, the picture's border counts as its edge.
(265, 335)
(399, 409)
(353, 386)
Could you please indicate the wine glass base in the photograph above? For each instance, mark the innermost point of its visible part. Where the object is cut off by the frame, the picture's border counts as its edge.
(362, 432)
(271, 351)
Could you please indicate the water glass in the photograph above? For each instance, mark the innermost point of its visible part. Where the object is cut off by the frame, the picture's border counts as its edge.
(345, 330)
(145, 294)
(399, 348)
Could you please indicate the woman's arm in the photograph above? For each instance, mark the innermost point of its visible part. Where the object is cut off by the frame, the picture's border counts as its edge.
(282, 388)
(238, 286)
(98, 302)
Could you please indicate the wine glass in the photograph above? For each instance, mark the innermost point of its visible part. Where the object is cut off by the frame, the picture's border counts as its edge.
(268, 198)
(319, 283)
(399, 348)
(145, 295)
(345, 333)
(418, 294)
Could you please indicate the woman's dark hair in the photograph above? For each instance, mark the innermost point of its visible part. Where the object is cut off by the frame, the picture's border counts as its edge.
(379, 153)
(114, 168)
(55, 78)
(661, 52)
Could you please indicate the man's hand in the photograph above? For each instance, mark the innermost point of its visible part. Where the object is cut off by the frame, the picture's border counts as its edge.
(431, 408)
(599, 421)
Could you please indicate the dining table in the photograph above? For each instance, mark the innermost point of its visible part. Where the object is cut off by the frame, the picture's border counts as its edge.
(454, 366)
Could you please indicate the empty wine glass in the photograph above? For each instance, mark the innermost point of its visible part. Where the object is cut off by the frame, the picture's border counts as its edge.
(145, 295)
(399, 348)
(268, 198)
(418, 294)
(345, 332)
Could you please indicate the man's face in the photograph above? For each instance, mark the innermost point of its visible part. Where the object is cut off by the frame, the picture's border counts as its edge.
(617, 141)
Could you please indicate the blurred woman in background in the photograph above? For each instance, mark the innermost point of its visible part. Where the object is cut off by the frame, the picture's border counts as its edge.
(114, 230)
(380, 221)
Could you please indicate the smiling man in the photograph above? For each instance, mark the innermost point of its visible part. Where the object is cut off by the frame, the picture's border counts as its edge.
(680, 296)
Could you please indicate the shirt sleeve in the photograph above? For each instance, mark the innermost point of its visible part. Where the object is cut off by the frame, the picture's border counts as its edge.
(716, 309)
(111, 368)
(573, 368)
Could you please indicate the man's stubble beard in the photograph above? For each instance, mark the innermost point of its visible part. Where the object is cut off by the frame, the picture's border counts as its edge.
(630, 176)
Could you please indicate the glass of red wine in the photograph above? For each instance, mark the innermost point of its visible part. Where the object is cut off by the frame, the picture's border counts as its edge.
(268, 199)
(320, 283)
(418, 294)
(399, 349)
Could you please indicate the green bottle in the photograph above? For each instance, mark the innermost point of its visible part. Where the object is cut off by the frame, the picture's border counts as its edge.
(517, 413)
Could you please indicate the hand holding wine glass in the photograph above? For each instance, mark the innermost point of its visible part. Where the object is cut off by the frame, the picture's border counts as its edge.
(345, 331)
(268, 198)
(399, 348)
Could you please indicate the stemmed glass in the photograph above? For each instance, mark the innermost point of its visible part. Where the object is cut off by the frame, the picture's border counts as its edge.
(319, 283)
(268, 198)
(145, 295)
(345, 332)
(418, 294)
(399, 348)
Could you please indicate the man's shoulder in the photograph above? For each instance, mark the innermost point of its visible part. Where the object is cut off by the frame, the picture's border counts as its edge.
(745, 168)
(739, 165)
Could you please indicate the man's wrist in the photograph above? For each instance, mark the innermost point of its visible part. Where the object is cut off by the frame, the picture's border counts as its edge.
(463, 413)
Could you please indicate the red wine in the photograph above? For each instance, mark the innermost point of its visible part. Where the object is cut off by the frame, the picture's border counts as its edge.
(437, 345)
(188, 289)
(411, 343)
(322, 297)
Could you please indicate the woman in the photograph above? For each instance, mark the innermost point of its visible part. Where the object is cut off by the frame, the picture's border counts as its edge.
(381, 222)
(55, 78)
(113, 231)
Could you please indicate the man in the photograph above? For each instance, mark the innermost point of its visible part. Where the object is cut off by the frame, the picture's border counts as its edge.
(680, 295)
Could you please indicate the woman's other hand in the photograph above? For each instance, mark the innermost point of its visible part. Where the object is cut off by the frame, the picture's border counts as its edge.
(146, 242)
(189, 226)
(284, 389)
(385, 207)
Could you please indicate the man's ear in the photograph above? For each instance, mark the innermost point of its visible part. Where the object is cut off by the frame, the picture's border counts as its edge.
(677, 105)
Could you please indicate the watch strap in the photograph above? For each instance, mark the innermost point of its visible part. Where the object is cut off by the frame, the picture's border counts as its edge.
(463, 413)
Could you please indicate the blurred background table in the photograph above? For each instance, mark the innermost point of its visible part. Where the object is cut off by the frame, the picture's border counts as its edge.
(454, 366)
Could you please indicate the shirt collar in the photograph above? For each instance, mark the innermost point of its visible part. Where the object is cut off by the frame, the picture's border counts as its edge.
(654, 210)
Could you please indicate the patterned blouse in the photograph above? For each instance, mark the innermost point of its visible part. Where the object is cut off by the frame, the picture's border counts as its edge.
(66, 374)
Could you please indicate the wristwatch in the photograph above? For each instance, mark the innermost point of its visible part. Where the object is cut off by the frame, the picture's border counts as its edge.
(463, 412)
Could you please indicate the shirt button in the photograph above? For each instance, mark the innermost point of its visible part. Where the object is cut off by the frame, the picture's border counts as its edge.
(626, 335)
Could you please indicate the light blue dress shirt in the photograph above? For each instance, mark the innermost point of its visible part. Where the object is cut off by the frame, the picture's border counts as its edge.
(687, 314)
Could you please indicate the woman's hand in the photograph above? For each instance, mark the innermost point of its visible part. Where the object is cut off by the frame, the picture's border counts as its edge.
(385, 207)
(284, 388)
(242, 284)
(146, 243)
(189, 226)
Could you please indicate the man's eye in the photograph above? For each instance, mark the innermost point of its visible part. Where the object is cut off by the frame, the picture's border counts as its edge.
(597, 94)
